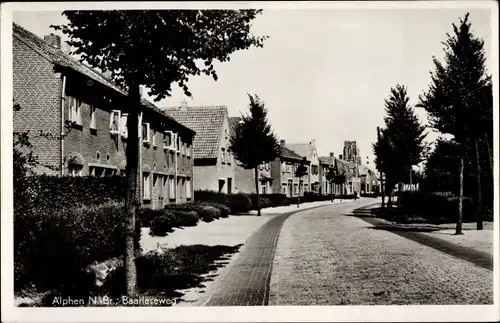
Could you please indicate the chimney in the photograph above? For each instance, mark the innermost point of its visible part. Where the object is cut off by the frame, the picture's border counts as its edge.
(53, 40)
(340, 156)
(331, 154)
(184, 104)
(282, 141)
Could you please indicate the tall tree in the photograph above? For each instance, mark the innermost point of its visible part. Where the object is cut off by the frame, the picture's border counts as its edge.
(253, 141)
(404, 137)
(381, 152)
(459, 100)
(300, 172)
(154, 48)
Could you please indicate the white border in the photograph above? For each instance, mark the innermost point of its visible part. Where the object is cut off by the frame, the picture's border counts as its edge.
(235, 314)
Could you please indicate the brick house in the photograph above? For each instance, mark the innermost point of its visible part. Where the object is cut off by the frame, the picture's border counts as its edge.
(244, 179)
(53, 89)
(283, 172)
(308, 150)
(213, 162)
(325, 163)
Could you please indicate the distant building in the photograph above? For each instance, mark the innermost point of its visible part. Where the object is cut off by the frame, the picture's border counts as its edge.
(325, 163)
(351, 152)
(308, 150)
(213, 161)
(283, 172)
(55, 90)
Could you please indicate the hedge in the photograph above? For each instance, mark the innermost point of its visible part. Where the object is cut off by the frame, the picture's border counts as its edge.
(238, 203)
(437, 207)
(56, 192)
(53, 247)
(223, 209)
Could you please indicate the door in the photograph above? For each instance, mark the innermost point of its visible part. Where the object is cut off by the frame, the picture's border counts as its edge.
(290, 189)
(229, 185)
(221, 186)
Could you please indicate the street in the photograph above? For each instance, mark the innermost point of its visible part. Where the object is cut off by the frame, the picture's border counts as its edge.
(328, 256)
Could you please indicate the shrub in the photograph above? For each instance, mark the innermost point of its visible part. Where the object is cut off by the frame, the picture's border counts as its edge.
(146, 215)
(162, 224)
(277, 199)
(239, 203)
(56, 192)
(53, 247)
(186, 218)
(224, 210)
(208, 213)
(210, 196)
(435, 207)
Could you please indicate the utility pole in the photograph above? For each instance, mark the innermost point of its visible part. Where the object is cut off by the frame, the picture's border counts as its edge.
(382, 190)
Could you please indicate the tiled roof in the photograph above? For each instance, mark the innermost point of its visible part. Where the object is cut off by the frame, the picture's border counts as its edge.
(303, 150)
(207, 122)
(325, 160)
(287, 153)
(58, 57)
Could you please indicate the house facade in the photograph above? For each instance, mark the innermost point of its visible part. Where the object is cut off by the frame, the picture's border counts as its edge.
(308, 150)
(283, 173)
(369, 179)
(77, 119)
(213, 161)
(325, 163)
(244, 179)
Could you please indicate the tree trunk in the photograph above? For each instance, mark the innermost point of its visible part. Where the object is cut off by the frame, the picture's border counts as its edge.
(257, 189)
(331, 192)
(400, 190)
(479, 204)
(382, 189)
(131, 170)
(460, 197)
(490, 159)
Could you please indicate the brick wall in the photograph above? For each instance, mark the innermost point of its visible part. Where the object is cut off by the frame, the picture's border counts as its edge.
(37, 88)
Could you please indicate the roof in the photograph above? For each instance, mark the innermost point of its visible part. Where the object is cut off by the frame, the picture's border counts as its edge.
(58, 57)
(326, 160)
(207, 121)
(287, 153)
(303, 150)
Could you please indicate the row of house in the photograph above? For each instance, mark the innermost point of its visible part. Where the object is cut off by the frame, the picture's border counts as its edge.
(181, 148)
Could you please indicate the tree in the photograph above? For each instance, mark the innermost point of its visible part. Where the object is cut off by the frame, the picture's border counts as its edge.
(330, 177)
(459, 100)
(404, 137)
(154, 48)
(253, 141)
(381, 152)
(300, 172)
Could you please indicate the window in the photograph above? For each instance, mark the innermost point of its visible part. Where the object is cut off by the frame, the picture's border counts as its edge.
(189, 149)
(92, 124)
(147, 186)
(114, 121)
(283, 188)
(75, 170)
(145, 132)
(74, 113)
(188, 188)
(178, 143)
(263, 188)
(101, 171)
(283, 167)
(154, 138)
(123, 125)
(223, 155)
(168, 142)
(295, 188)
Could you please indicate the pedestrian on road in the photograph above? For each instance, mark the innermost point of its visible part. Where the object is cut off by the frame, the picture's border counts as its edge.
(355, 195)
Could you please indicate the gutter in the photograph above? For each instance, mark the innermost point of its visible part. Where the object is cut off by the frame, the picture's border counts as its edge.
(63, 100)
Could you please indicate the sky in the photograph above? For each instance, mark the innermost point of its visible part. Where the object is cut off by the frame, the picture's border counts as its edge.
(323, 74)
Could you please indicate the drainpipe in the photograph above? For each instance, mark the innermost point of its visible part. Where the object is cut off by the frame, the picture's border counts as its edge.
(175, 176)
(63, 100)
(141, 178)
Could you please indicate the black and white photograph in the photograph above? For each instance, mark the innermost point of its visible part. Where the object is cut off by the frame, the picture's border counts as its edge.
(189, 161)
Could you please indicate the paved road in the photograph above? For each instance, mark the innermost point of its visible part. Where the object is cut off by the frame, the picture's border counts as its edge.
(330, 257)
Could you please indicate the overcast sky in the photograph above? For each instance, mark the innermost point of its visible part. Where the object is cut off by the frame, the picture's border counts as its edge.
(323, 74)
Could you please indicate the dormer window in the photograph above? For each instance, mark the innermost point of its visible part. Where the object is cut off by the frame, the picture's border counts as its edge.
(123, 125)
(114, 122)
(145, 132)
